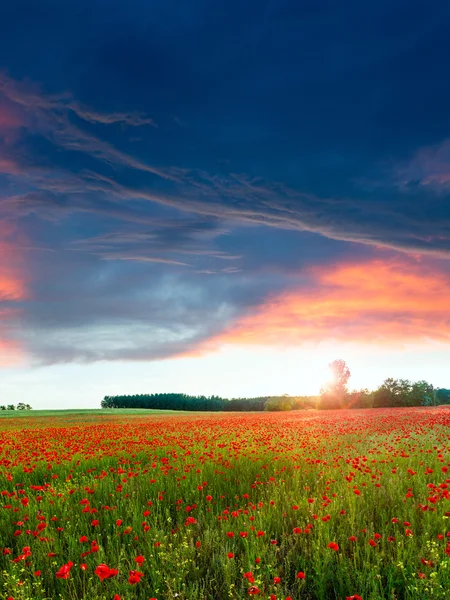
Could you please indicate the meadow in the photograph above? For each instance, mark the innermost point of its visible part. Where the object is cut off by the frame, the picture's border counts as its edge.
(333, 505)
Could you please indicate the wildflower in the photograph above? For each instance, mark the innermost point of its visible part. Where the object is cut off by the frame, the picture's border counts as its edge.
(333, 546)
(300, 575)
(139, 560)
(135, 577)
(104, 572)
(64, 571)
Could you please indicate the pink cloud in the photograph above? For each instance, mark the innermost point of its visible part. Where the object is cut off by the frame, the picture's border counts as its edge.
(374, 302)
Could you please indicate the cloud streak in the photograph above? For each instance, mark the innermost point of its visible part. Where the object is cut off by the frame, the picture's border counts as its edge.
(399, 222)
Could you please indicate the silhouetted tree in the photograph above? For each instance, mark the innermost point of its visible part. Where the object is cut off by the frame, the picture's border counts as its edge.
(335, 393)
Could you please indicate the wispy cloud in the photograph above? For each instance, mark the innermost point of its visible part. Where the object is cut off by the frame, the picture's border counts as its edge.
(429, 168)
(402, 222)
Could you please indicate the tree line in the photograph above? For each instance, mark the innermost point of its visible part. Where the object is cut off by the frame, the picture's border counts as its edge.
(391, 393)
(208, 403)
(335, 394)
(20, 406)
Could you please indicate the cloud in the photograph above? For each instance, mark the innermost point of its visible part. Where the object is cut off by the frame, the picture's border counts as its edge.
(13, 290)
(393, 302)
(167, 239)
(122, 316)
(428, 168)
(86, 169)
(134, 119)
(31, 99)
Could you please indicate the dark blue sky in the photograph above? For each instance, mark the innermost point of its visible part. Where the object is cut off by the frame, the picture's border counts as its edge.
(168, 169)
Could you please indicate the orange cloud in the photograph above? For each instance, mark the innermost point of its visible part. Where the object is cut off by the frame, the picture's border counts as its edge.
(13, 289)
(373, 302)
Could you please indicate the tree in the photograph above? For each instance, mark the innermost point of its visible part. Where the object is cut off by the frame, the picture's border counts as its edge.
(11, 407)
(442, 396)
(335, 393)
(422, 394)
(360, 399)
(402, 392)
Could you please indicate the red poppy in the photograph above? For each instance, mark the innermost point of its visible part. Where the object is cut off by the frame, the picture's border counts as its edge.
(333, 546)
(253, 591)
(104, 572)
(135, 577)
(64, 571)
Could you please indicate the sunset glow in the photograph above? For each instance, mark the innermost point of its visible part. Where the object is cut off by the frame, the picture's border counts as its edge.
(372, 303)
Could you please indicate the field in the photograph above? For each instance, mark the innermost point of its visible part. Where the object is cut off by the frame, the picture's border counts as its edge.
(313, 505)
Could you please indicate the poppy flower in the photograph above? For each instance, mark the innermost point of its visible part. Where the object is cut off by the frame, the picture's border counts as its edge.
(64, 571)
(135, 577)
(104, 572)
(253, 591)
(333, 546)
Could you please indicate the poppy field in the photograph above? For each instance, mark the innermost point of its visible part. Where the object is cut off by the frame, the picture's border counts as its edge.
(315, 504)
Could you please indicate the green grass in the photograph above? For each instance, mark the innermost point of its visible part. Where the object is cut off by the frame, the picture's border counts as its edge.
(251, 474)
(84, 412)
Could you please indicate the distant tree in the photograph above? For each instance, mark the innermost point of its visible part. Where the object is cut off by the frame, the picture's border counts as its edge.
(360, 399)
(335, 393)
(392, 392)
(404, 393)
(2, 407)
(279, 404)
(11, 407)
(21, 406)
(422, 394)
(442, 396)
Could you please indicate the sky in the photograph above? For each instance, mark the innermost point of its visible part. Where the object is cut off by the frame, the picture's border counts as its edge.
(222, 197)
